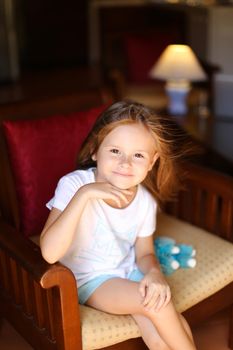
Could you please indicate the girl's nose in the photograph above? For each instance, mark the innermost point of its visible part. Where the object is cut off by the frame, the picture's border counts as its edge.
(125, 160)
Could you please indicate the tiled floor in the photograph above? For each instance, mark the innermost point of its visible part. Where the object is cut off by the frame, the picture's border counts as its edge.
(212, 335)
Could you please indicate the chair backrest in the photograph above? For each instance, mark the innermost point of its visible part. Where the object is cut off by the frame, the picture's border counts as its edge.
(35, 154)
(143, 49)
(206, 200)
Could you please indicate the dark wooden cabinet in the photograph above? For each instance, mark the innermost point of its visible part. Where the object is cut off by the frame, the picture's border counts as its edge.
(54, 33)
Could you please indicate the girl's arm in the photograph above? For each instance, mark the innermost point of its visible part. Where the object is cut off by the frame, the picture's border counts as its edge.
(153, 287)
(61, 226)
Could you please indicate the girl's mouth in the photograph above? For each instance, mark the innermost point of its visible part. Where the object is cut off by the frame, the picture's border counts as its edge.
(122, 174)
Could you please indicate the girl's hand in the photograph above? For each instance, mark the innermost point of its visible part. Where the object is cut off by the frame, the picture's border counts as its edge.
(154, 290)
(110, 194)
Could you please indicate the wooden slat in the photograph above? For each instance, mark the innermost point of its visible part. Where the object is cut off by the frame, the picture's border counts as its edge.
(43, 305)
(15, 282)
(211, 212)
(172, 208)
(27, 293)
(226, 219)
(50, 317)
(1, 269)
(196, 207)
(38, 298)
(184, 205)
(5, 271)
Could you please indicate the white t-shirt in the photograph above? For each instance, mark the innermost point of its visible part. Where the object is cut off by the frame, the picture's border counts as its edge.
(105, 238)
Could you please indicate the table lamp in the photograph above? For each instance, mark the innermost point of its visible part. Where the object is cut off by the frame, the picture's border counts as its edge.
(178, 66)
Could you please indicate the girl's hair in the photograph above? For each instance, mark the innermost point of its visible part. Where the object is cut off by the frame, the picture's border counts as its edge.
(163, 180)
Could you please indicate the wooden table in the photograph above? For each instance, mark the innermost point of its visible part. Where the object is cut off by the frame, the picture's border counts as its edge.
(215, 135)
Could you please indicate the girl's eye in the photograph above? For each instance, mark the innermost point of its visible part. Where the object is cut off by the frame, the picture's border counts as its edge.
(115, 151)
(138, 155)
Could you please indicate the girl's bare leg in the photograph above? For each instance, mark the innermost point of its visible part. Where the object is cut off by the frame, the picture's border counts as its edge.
(121, 296)
(149, 334)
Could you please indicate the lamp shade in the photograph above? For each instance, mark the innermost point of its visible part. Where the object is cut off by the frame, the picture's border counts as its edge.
(178, 63)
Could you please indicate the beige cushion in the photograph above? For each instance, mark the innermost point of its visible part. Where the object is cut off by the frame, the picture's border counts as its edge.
(100, 329)
(214, 270)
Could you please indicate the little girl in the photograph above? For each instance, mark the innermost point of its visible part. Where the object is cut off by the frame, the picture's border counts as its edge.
(102, 221)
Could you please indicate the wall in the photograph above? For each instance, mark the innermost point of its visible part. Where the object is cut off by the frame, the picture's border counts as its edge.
(220, 50)
(41, 34)
(9, 60)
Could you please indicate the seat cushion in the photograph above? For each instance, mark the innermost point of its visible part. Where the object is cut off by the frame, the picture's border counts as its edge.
(100, 329)
(41, 151)
(214, 270)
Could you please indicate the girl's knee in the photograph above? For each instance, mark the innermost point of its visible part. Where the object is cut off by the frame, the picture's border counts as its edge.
(163, 347)
(151, 314)
(156, 343)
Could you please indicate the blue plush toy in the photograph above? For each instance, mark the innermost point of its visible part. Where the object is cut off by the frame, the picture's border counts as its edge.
(186, 256)
(165, 249)
(171, 256)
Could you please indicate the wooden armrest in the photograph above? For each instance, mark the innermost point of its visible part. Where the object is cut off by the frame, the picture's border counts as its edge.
(39, 299)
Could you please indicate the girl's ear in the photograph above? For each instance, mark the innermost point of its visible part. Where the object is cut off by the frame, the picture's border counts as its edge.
(93, 157)
(154, 159)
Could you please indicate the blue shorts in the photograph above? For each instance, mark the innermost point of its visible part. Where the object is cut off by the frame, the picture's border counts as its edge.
(85, 291)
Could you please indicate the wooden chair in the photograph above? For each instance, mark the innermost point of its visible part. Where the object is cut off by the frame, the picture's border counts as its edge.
(40, 300)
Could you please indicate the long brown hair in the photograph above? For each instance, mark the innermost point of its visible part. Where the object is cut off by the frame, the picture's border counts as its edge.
(163, 180)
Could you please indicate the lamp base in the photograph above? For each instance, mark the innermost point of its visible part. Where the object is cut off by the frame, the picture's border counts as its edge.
(177, 95)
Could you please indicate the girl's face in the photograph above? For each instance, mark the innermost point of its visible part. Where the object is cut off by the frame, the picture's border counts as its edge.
(125, 156)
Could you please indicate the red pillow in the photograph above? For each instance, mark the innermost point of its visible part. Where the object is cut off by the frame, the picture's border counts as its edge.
(142, 50)
(41, 151)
